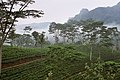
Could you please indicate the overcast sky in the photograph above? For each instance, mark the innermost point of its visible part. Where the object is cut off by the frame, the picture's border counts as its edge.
(61, 10)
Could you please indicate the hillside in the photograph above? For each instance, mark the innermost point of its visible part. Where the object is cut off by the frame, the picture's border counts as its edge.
(64, 62)
(107, 14)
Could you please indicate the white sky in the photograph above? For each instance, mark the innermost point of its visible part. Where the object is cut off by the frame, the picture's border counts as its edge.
(61, 10)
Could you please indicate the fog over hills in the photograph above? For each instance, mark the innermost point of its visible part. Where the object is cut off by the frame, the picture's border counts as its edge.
(39, 27)
(35, 27)
(109, 15)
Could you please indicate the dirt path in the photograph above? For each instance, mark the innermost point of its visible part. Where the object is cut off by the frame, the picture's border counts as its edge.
(22, 62)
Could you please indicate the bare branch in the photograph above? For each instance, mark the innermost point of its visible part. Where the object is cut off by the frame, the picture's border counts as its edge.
(11, 8)
(24, 6)
(9, 29)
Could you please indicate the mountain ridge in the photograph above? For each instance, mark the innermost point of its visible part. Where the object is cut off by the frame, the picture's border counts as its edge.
(105, 14)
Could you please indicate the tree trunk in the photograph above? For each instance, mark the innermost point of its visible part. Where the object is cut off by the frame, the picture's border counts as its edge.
(72, 40)
(11, 43)
(35, 44)
(64, 39)
(99, 53)
(41, 45)
(0, 59)
(112, 49)
(91, 53)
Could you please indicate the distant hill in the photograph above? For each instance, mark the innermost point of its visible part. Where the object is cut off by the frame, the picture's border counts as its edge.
(35, 27)
(107, 14)
(39, 27)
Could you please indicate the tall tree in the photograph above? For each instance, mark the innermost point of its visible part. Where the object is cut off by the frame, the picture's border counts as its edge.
(35, 34)
(42, 38)
(24, 40)
(39, 38)
(54, 28)
(105, 37)
(115, 37)
(10, 11)
(71, 33)
(91, 30)
(63, 32)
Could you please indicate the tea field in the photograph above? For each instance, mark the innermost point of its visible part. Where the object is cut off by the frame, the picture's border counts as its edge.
(62, 62)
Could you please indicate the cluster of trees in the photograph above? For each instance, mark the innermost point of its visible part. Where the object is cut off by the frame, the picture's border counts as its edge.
(39, 38)
(89, 32)
(85, 32)
(28, 39)
(66, 31)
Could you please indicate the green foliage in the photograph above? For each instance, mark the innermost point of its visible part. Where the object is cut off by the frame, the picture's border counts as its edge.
(24, 40)
(61, 63)
(101, 71)
(65, 62)
(39, 38)
(11, 54)
(66, 52)
(9, 14)
(54, 29)
(49, 76)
